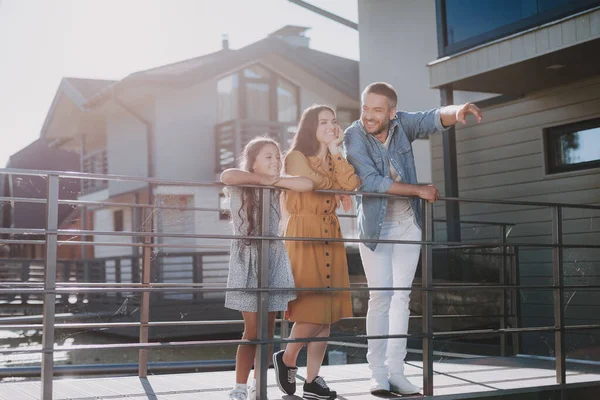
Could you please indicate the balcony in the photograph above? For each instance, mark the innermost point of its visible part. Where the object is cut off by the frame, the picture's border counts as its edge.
(231, 137)
(95, 162)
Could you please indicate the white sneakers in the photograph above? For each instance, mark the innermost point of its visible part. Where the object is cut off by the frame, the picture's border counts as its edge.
(379, 384)
(396, 383)
(239, 394)
(399, 384)
(252, 393)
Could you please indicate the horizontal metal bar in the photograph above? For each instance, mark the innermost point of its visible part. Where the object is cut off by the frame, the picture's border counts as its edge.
(134, 205)
(171, 182)
(22, 200)
(161, 345)
(350, 338)
(272, 238)
(115, 369)
(98, 325)
(187, 289)
(491, 223)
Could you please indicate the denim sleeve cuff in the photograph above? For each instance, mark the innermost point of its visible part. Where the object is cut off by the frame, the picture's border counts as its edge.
(385, 185)
(437, 118)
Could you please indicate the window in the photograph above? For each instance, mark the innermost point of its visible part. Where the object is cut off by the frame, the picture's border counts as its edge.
(346, 116)
(224, 213)
(118, 221)
(469, 23)
(573, 147)
(257, 94)
(227, 98)
(287, 101)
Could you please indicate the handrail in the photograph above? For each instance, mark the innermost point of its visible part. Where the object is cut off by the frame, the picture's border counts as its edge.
(173, 182)
(51, 287)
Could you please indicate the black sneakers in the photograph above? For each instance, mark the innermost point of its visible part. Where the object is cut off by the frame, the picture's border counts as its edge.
(286, 376)
(318, 390)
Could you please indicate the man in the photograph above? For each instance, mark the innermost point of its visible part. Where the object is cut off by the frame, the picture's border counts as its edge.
(379, 148)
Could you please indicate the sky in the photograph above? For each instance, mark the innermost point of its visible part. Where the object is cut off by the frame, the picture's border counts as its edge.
(42, 41)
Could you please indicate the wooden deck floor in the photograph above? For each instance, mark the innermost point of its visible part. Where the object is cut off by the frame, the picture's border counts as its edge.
(453, 379)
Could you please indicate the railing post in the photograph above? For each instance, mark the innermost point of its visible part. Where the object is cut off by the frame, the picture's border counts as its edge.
(263, 299)
(426, 298)
(64, 298)
(515, 299)
(558, 282)
(503, 295)
(24, 279)
(197, 274)
(118, 276)
(50, 285)
(284, 331)
(145, 300)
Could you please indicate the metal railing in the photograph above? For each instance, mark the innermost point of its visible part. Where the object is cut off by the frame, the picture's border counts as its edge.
(50, 288)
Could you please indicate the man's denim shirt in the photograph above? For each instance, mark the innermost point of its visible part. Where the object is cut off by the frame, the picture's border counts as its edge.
(372, 164)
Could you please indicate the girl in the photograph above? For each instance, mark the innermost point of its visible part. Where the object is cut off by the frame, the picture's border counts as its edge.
(260, 165)
(315, 154)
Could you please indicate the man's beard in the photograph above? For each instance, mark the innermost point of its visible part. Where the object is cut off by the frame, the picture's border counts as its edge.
(383, 128)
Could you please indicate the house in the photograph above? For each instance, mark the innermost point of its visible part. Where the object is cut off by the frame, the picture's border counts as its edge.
(188, 121)
(39, 155)
(534, 68)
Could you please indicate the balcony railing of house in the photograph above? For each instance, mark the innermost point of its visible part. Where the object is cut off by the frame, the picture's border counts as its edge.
(49, 289)
(232, 136)
(94, 162)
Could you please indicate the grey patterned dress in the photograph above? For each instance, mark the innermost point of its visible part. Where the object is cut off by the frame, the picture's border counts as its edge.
(243, 261)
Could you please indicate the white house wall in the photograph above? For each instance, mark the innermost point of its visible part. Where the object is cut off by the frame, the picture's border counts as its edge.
(184, 133)
(503, 158)
(126, 151)
(104, 221)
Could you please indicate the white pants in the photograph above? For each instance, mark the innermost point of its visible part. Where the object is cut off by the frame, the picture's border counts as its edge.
(390, 265)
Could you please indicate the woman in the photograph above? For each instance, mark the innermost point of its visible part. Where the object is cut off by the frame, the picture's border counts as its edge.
(315, 154)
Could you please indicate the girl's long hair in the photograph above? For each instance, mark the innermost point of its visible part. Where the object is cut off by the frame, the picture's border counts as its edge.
(305, 140)
(250, 198)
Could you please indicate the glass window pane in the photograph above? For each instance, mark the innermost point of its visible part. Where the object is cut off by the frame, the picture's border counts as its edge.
(468, 18)
(257, 101)
(287, 104)
(346, 116)
(257, 72)
(227, 101)
(577, 147)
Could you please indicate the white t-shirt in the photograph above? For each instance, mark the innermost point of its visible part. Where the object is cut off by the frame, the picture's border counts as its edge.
(398, 209)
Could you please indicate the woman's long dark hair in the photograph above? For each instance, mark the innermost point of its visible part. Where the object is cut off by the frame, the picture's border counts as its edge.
(305, 140)
(250, 198)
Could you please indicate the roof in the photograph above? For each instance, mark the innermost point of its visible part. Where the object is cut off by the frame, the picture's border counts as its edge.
(293, 30)
(40, 156)
(340, 73)
(88, 87)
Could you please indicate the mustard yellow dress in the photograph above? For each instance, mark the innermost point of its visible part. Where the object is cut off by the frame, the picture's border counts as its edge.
(318, 264)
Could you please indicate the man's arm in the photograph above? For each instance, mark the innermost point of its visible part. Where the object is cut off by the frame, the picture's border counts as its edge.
(450, 115)
(419, 125)
(427, 192)
(371, 180)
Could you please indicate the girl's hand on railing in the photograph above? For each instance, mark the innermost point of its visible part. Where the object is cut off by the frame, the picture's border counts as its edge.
(268, 180)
